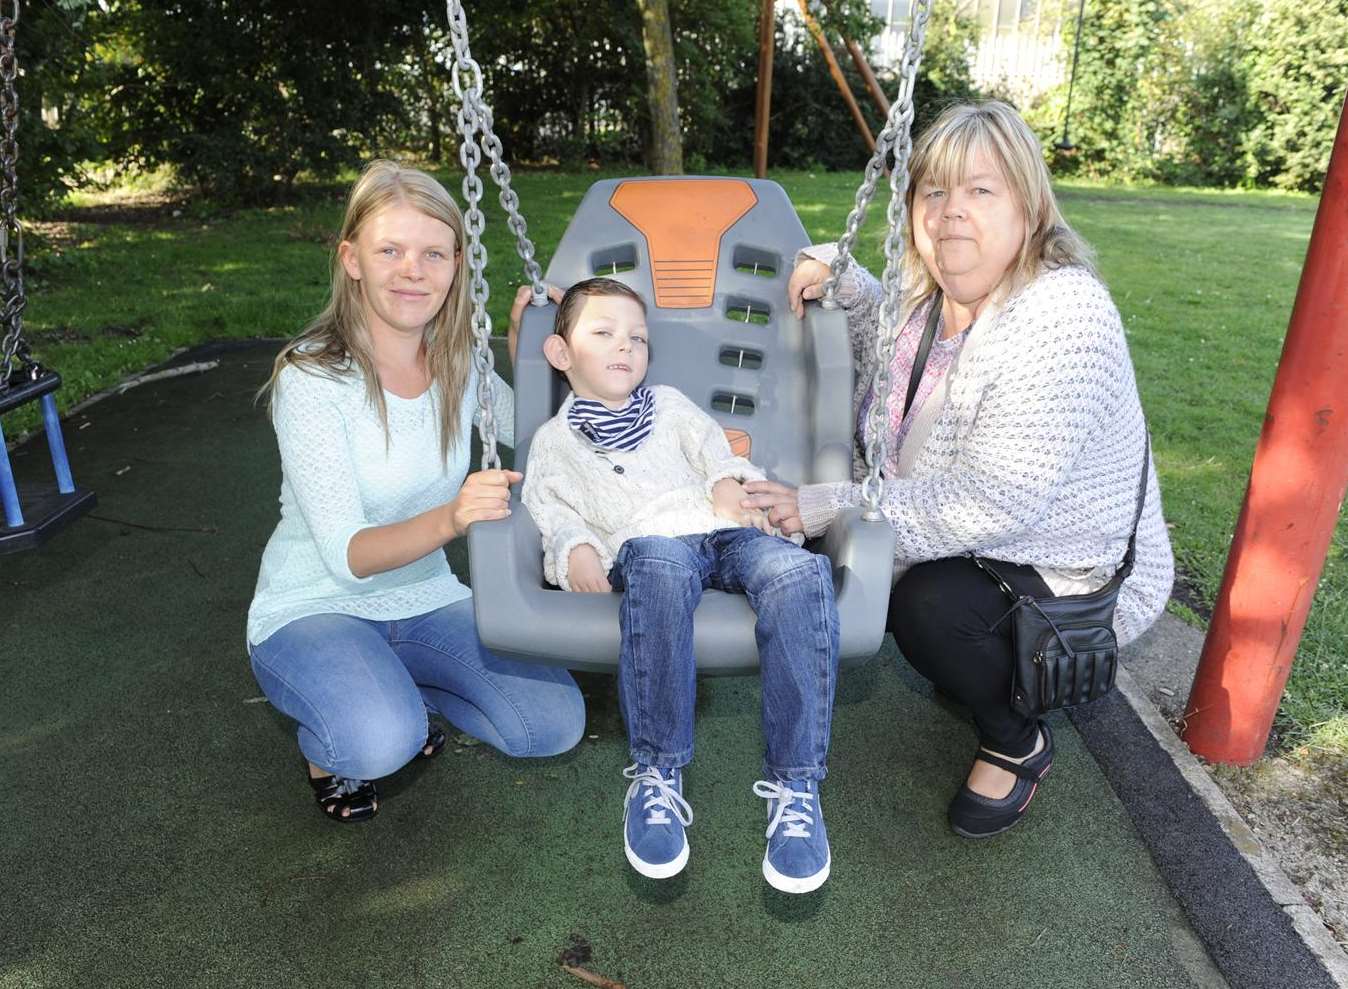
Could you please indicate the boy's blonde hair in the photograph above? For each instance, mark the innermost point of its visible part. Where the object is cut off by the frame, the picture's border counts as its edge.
(944, 154)
(339, 338)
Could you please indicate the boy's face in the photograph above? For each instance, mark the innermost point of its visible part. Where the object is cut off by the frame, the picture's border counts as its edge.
(606, 354)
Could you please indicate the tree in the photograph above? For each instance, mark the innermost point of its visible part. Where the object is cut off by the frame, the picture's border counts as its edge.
(1298, 76)
(240, 98)
(1212, 107)
(61, 75)
(666, 146)
(1126, 86)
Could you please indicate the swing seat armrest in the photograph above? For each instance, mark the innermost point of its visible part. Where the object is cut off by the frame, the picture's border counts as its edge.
(862, 553)
(509, 548)
(828, 365)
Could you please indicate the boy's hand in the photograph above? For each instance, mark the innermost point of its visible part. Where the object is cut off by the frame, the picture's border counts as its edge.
(586, 571)
(726, 496)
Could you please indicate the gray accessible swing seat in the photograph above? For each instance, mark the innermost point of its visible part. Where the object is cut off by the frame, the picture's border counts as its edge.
(712, 257)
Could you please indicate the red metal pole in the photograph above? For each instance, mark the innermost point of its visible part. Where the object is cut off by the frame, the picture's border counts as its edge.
(1293, 501)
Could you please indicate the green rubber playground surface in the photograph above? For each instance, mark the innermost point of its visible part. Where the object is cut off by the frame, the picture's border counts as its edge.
(157, 830)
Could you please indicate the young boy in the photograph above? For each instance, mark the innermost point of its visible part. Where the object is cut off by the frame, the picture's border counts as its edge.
(635, 489)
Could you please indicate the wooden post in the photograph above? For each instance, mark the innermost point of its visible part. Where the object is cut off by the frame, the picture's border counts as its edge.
(767, 27)
(1291, 506)
(835, 70)
(872, 83)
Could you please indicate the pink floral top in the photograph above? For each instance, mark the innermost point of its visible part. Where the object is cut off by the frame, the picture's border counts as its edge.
(942, 355)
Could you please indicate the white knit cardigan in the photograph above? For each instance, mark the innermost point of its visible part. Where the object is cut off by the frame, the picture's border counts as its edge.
(1035, 458)
(578, 496)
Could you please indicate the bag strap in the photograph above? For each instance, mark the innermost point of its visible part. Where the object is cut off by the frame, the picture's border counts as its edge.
(1126, 565)
(923, 351)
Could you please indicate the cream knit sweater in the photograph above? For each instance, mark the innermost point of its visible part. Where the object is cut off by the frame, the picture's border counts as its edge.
(1036, 456)
(577, 496)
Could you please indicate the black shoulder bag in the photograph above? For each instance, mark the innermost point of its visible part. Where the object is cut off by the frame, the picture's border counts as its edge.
(1064, 647)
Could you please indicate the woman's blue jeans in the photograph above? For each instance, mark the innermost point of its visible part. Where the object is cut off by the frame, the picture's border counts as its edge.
(791, 591)
(360, 690)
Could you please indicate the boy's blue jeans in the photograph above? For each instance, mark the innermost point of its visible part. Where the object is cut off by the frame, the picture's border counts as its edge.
(791, 591)
(360, 690)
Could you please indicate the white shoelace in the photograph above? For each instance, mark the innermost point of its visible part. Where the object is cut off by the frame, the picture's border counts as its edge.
(660, 796)
(796, 821)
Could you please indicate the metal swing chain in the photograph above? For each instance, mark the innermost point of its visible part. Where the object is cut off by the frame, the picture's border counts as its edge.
(872, 488)
(474, 222)
(473, 116)
(13, 350)
(897, 134)
(500, 171)
(900, 120)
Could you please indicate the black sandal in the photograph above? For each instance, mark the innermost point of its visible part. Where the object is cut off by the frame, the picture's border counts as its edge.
(360, 804)
(975, 816)
(435, 741)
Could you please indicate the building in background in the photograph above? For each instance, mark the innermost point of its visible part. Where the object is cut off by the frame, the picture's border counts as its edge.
(1020, 42)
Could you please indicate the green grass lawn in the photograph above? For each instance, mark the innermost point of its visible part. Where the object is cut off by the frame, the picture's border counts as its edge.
(1204, 280)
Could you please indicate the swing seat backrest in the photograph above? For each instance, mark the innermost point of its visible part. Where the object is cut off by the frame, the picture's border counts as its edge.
(711, 257)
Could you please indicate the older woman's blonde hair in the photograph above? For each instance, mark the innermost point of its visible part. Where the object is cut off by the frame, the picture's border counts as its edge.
(338, 338)
(944, 154)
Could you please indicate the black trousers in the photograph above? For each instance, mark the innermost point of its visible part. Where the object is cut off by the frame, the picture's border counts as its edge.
(941, 614)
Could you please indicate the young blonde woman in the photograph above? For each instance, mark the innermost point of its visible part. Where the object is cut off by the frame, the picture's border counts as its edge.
(1024, 442)
(358, 627)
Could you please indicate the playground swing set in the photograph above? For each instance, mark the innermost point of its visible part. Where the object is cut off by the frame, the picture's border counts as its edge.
(713, 256)
(33, 515)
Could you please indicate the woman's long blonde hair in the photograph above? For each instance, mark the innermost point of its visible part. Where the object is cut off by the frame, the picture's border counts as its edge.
(339, 338)
(945, 152)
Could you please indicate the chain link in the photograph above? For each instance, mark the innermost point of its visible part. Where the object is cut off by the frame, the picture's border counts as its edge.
(896, 135)
(13, 349)
(475, 122)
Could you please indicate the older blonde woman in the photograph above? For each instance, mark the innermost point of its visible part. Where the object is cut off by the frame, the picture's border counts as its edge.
(1023, 444)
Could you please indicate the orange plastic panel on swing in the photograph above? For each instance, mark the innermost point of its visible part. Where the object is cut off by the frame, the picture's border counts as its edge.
(684, 243)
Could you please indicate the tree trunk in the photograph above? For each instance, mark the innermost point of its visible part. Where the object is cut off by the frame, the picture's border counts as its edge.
(666, 148)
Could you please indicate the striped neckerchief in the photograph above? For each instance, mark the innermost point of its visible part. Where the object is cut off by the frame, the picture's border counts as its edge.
(624, 429)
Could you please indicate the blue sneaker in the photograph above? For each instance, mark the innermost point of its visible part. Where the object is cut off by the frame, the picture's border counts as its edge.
(653, 839)
(798, 857)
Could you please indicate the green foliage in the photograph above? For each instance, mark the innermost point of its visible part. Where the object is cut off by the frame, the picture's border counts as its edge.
(1210, 113)
(566, 81)
(810, 127)
(1129, 51)
(1204, 92)
(1298, 80)
(240, 98)
(944, 76)
(58, 76)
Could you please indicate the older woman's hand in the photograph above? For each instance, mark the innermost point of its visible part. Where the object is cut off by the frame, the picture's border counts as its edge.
(806, 282)
(779, 500)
